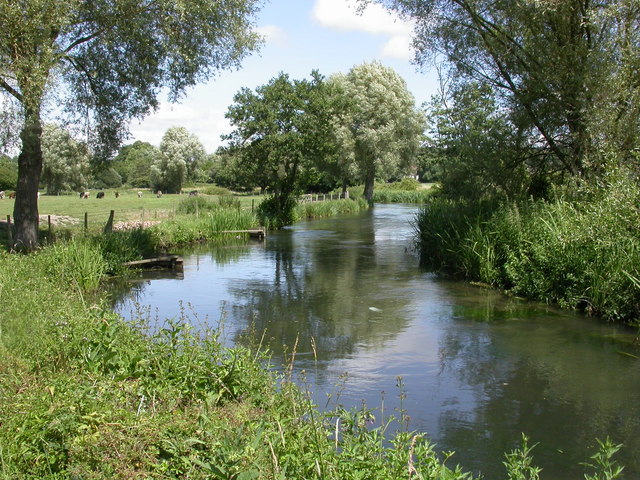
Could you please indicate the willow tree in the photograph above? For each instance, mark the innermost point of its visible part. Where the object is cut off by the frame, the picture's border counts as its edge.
(107, 61)
(181, 156)
(379, 129)
(565, 72)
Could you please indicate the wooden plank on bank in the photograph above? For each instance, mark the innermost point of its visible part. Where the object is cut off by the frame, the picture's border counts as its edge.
(161, 261)
(258, 233)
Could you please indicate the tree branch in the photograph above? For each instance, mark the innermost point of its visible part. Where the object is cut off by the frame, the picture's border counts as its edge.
(12, 91)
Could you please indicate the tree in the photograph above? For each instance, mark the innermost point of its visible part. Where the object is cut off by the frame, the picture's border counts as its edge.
(564, 72)
(110, 59)
(280, 129)
(65, 161)
(381, 129)
(181, 152)
(8, 173)
(475, 148)
(133, 163)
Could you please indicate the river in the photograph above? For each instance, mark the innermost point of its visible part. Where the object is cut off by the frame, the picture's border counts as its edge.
(476, 368)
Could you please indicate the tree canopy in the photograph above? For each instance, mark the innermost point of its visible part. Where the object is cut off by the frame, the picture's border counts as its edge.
(107, 61)
(564, 74)
(379, 129)
(181, 153)
(280, 129)
(65, 161)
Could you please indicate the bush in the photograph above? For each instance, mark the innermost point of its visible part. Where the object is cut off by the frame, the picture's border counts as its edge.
(215, 190)
(407, 184)
(276, 212)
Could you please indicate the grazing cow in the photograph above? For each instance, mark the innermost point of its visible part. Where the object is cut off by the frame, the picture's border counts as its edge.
(159, 193)
(100, 195)
(1, 194)
(12, 195)
(117, 194)
(193, 193)
(139, 194)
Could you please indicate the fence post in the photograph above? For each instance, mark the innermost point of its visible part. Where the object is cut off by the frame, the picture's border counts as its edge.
(49, 223)
(86, 221)
(252, 202)
(108, 228)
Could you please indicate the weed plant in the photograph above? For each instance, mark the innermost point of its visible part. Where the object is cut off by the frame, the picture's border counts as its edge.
(582, 254)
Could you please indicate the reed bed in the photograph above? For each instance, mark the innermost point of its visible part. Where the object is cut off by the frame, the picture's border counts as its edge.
(329, 208)
(579, 254)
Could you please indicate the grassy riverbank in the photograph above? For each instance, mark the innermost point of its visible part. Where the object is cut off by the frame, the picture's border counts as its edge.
(85, 395)
(581, 252)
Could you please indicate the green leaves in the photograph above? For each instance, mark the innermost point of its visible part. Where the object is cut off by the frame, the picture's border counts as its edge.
(378, 129)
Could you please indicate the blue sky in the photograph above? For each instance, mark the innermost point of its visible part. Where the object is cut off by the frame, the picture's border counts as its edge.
(300, 35)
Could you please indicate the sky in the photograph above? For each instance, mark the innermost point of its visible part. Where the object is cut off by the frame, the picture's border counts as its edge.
(300, 36)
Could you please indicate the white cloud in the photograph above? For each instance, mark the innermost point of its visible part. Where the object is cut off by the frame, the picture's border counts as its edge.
(398, 47)
(375, 19)
(274, 34)
(206, 123)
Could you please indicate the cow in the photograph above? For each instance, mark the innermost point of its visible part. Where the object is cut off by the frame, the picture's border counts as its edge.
(193, 193)
(117, 194)
(159, 193)
(1, 194)
(84, 195)
(100, 195)
(139, 194)
(12, 195)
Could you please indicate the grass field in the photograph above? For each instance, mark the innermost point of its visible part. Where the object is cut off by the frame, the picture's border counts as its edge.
(127, 207)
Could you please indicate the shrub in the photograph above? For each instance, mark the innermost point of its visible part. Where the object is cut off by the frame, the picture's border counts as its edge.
(276, 212)
(216, 190)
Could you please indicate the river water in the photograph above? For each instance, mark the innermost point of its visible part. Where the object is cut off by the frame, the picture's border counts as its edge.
(476, 368)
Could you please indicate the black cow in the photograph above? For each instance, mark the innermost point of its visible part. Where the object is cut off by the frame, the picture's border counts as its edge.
(100, 195)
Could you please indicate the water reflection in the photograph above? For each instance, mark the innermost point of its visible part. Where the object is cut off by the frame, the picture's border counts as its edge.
(478, 368)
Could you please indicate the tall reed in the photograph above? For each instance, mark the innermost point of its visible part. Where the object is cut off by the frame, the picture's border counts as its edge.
(580, 254)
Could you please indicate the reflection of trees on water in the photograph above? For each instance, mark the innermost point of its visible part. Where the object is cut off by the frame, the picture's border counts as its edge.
(129, 290)
(223, 252)
(564, 387)
(327, 292)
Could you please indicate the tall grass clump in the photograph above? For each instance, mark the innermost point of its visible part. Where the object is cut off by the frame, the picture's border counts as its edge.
(329, 208)
(401, 196)
(208, 226)
(78, 262)
(195, 205)
(580, 253)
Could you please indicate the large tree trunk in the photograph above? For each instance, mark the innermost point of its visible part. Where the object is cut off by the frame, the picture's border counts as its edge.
(369, 182)
(25, 211)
